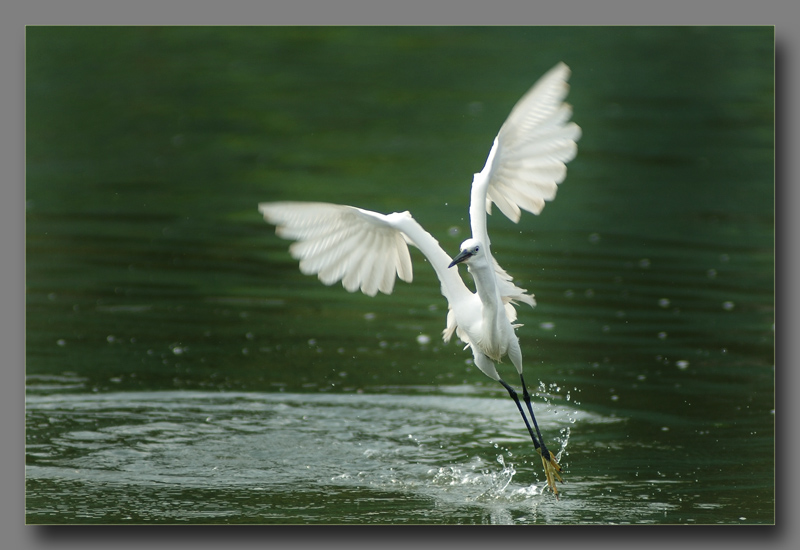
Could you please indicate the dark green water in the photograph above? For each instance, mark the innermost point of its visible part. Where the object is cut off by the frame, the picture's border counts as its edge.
(181, 369)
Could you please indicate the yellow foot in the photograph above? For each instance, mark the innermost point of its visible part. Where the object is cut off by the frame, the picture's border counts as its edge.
(551, 471)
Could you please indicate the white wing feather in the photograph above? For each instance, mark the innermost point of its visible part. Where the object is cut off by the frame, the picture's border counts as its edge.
(525, 165)
(532, 148)
(337, 242)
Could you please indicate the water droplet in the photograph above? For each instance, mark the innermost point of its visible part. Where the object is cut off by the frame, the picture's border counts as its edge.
(475, 108)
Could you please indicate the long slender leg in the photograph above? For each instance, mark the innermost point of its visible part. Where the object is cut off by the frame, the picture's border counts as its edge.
(514, 396)
(515, 354)
(487, 367)
(551, 467)
(527, 397)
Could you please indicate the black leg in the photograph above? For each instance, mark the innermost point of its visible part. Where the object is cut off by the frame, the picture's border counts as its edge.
(513, 395)
(551, 468)
(527, 397)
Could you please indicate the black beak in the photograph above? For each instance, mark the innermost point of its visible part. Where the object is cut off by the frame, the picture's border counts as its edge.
(460, 258)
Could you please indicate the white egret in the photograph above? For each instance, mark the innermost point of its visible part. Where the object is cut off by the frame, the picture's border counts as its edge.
(366, 249)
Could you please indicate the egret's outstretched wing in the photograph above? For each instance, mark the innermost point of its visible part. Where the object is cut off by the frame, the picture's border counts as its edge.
(526, 163)
(364, 249)
(344, 243)
(532, 148)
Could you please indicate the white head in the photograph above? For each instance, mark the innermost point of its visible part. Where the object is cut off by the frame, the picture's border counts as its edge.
(471, 249)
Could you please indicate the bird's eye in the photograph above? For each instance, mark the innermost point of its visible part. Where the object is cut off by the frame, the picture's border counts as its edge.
(477, 248)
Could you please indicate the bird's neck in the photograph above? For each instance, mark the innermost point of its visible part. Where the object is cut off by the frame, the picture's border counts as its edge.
(486, 287)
